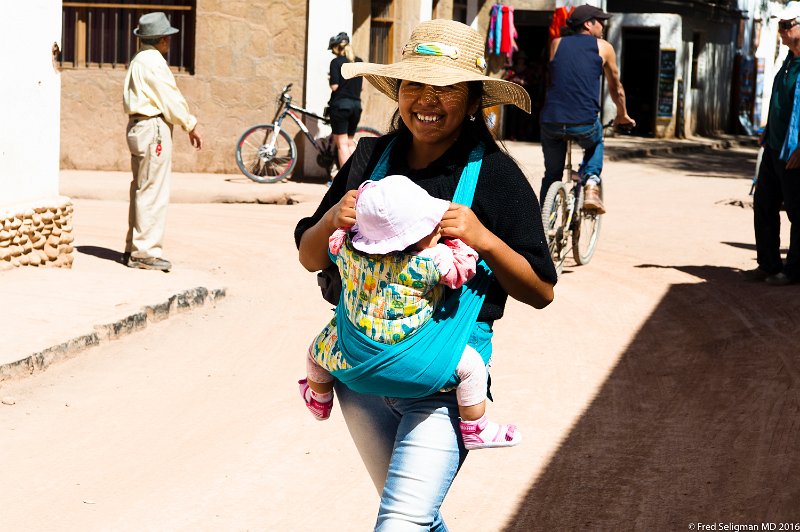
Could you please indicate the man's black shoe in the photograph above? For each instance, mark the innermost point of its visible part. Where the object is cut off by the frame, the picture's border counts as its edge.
(755, 276)
(779, 279)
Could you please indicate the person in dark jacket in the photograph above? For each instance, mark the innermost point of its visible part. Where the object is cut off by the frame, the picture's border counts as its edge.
(779, 173)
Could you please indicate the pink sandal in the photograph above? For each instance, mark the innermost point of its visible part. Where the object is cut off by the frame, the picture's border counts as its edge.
(321, 411)
(507, 435)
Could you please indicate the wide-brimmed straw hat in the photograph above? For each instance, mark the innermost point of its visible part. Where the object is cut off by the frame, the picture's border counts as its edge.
(153, 25)
(394, 213)
(441, 52)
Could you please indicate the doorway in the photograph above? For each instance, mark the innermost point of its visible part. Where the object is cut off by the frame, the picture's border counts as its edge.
(639, 60)
(528, 67)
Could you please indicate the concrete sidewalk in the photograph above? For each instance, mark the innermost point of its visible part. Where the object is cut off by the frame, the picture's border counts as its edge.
(55, 313)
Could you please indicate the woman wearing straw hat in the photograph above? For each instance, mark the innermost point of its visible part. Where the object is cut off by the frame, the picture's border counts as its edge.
(411, 444)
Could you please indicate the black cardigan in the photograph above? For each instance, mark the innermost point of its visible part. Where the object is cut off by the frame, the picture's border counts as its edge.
(504, 200)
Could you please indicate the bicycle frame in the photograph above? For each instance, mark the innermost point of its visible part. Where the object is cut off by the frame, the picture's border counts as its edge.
(575, 191)
(287, 108)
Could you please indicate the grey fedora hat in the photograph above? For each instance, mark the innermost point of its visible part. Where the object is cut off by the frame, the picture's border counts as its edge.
(154, 25)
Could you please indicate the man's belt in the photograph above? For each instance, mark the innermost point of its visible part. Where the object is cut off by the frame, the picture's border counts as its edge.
(138, 117)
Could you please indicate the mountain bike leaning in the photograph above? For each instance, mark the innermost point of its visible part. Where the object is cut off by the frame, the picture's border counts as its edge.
(567, 225)
(266, 153)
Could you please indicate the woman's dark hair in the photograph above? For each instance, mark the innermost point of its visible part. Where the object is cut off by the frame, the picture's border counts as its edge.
(476, 129)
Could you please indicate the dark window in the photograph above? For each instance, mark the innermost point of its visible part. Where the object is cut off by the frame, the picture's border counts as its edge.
(380, 33)
(460, 11)
(100, 33)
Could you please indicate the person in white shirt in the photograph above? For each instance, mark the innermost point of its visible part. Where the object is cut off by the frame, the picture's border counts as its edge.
(154, 104)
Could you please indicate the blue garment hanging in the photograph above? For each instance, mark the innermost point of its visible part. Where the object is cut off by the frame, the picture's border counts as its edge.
(425, 362)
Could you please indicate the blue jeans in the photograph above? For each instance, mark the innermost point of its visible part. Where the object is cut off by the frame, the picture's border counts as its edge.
(554, 147)
(412, 451)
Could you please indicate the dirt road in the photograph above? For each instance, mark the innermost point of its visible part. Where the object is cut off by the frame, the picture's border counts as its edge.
(656, 391)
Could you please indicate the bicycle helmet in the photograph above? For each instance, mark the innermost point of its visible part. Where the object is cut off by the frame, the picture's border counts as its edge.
(338, 39)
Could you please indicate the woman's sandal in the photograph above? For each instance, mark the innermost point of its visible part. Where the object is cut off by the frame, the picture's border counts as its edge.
(471, 433)
(321, 411)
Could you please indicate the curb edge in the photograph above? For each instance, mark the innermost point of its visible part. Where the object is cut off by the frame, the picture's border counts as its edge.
(181, 302)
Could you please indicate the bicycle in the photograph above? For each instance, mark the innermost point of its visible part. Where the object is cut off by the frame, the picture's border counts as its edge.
(567, 225)
(267, 154)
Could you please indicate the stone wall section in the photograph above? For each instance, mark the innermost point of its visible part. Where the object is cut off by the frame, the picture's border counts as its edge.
(39, 235)
(245, 52)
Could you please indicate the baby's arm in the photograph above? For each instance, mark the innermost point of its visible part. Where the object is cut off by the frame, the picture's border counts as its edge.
(336, 241)
(456, 261)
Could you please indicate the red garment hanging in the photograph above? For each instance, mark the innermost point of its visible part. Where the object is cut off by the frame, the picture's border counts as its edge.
(505, 41)
(560, 16)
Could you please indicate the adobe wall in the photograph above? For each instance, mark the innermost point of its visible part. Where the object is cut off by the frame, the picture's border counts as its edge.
(246, 51)
(35, 222)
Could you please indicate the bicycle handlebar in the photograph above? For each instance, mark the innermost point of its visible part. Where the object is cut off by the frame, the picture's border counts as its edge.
(285, 93)
(624, 129)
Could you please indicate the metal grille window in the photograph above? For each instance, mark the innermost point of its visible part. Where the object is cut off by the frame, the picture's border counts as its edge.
(380, 33)
(100, 33)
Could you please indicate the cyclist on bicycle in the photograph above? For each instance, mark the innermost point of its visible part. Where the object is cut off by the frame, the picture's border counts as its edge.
(344, 107)
(572, 104)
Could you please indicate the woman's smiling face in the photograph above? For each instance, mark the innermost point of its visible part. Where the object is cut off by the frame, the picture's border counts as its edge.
(434, 115)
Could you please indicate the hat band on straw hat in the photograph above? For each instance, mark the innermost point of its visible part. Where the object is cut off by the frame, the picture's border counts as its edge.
(441, 52)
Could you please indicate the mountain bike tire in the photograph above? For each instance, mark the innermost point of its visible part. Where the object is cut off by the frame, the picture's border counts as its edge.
(585, 233)
(554, 220)
(263, 164)
(362, 132)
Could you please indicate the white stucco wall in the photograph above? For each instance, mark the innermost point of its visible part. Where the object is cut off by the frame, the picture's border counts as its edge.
(326, 18)
(31, 94)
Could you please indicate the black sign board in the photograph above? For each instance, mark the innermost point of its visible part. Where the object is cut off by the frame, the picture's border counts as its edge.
(666, 83)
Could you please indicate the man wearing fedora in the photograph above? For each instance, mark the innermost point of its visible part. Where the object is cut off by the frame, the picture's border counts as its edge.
(572, 104)
(779, 173)
(154, 104)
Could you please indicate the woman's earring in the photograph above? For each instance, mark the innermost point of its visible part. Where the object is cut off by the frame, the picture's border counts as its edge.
(472, 118)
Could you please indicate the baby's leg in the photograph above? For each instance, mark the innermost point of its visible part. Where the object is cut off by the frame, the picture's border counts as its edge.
(319, 379)
(477, 431)
(317, 389)
(471, 391)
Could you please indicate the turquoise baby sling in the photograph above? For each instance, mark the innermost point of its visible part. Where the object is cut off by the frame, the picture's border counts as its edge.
(425, 362)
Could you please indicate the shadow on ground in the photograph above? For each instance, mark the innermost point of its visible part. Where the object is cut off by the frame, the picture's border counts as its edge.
(730, 164)
(100, 253)
(698, 422)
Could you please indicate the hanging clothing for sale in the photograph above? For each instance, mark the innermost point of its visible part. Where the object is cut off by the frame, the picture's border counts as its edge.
(502, 37)
(560, 16)
(492, 25)
(509, 39)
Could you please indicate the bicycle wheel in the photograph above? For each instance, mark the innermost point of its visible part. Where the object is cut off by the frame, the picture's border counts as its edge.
(554, 219)
(586, 232)
(362, 132)
(264, 156)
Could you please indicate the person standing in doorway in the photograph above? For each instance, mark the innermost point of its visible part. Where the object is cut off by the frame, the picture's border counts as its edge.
(572, 104)
(154, 104)
(779, 173)
(345, 103)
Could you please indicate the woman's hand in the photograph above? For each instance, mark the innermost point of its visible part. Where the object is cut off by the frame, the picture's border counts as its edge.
(314, 242)
(512, 270)
(343, 214)
(459, 221)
